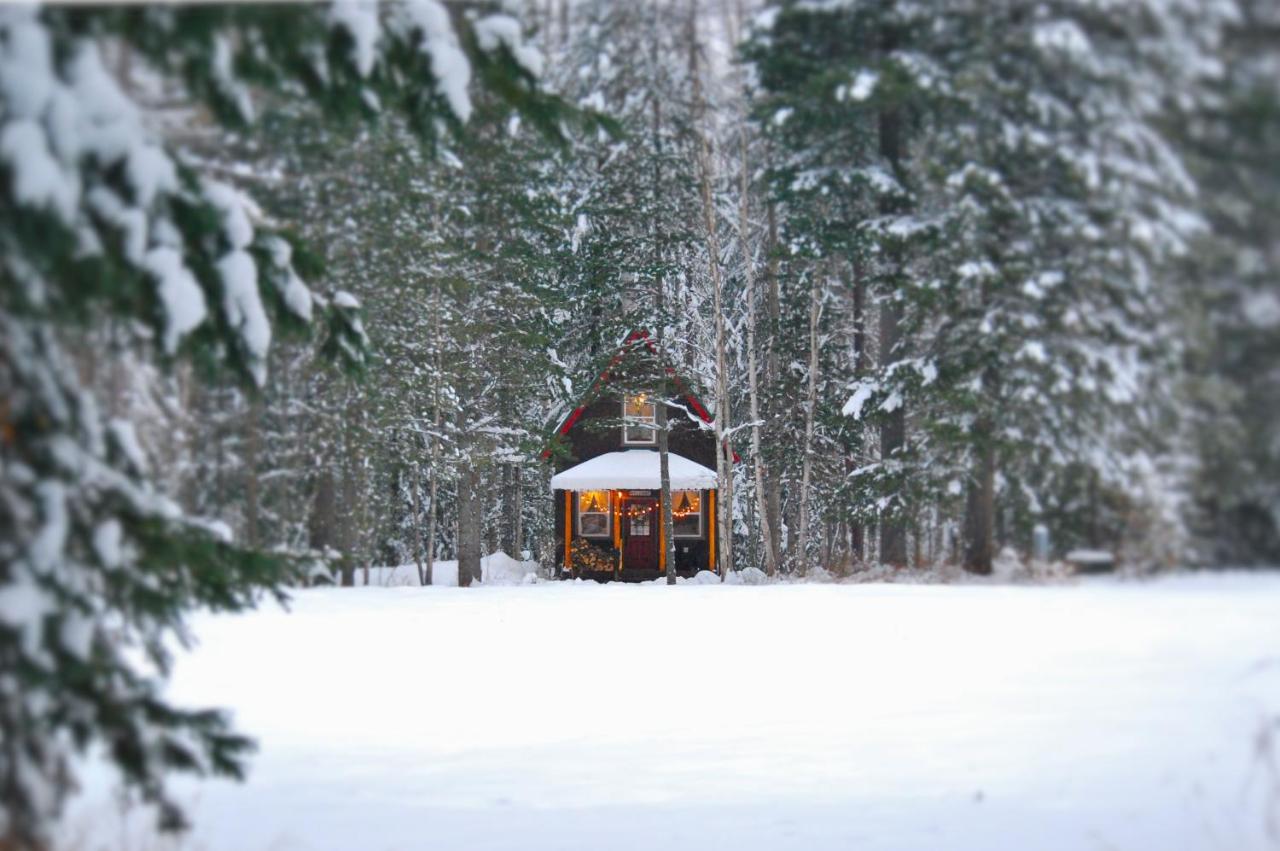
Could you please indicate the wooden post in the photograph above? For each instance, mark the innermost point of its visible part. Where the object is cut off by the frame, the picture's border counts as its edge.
(617, 528)
(662, 543)
(568, 529)
(711, 530)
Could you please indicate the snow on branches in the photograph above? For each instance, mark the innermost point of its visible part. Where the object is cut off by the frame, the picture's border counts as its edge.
(101, 222)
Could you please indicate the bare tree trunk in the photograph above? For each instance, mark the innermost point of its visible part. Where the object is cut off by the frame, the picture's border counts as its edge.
(759, 463)
(324, 520)
(979, 520)
(360, 535)
(507, 527)
(772, 503)
(917, 542)
(434, 436)
(427, 574)
(490, 525)
(347, 519)
(724, 456)
(416, 486)
(470, 514)
(893, 529)
(1093, 500)
(660, 406)
(517, 532)
(810, 414)
(857, 533)
(831, 550)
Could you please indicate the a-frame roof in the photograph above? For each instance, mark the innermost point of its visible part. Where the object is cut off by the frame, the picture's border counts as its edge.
(635, 337)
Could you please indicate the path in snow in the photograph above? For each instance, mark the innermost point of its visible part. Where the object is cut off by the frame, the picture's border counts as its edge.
(1105, 715)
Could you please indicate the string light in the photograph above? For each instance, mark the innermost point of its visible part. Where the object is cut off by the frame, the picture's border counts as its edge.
(685, 507)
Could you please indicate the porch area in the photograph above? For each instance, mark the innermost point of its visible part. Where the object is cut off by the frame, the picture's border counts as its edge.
(609, 519)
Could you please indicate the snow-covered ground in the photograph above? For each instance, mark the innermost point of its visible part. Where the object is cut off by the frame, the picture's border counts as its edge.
(1101, 715)
(496, 569)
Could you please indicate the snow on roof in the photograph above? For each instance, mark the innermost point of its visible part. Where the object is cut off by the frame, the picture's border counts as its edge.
(633, 468)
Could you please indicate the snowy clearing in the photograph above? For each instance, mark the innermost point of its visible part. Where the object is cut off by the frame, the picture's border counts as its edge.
(1107, 714)
(495, 569)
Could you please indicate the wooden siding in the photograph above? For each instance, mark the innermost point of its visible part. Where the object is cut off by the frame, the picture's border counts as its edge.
(599, 430)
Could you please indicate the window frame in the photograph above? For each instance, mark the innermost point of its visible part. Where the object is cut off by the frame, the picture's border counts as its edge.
(629, 421)
(699, 515)
(608, 514)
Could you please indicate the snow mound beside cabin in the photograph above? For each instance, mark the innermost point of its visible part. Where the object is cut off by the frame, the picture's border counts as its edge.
(747, 576)
(495, 569)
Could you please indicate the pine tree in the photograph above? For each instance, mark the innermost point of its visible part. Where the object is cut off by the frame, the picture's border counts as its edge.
(96, 562)
(999, 177)
(1231, 303)
(840, 92)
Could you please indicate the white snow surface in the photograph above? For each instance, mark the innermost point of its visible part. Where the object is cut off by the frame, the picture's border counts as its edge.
(1105, 714)
(634, 468)
(495, 569)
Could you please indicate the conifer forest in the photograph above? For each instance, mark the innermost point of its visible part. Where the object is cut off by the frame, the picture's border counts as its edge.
(461, 328)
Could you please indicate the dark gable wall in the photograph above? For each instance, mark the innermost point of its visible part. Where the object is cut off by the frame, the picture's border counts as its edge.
(599, 430)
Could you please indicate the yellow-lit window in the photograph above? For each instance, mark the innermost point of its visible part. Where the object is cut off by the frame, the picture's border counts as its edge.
(686, 513)
(639, 416)
(593, 514)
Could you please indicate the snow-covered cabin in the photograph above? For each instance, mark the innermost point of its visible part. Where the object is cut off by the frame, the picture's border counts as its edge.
(607, 486)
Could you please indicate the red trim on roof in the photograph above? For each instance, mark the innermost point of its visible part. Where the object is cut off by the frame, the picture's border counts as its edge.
(697, 407)
(638, 334)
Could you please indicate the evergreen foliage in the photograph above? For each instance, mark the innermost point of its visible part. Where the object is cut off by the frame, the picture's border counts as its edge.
(96, 214)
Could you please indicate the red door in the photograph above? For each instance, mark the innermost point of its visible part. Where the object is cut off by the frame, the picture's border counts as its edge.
(640, 534)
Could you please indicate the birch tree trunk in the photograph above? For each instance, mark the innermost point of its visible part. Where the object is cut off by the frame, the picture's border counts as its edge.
(470, 517)
(416, 487)
(810, 411)
(772, 502)
(428, 573)
(724, 457)
(434, 435)
(660, 402)
(759, 463)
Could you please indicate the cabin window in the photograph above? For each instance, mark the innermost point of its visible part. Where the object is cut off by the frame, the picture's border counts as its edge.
(593, 514)
(640, 525)
(639, 418)
(686, 513)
